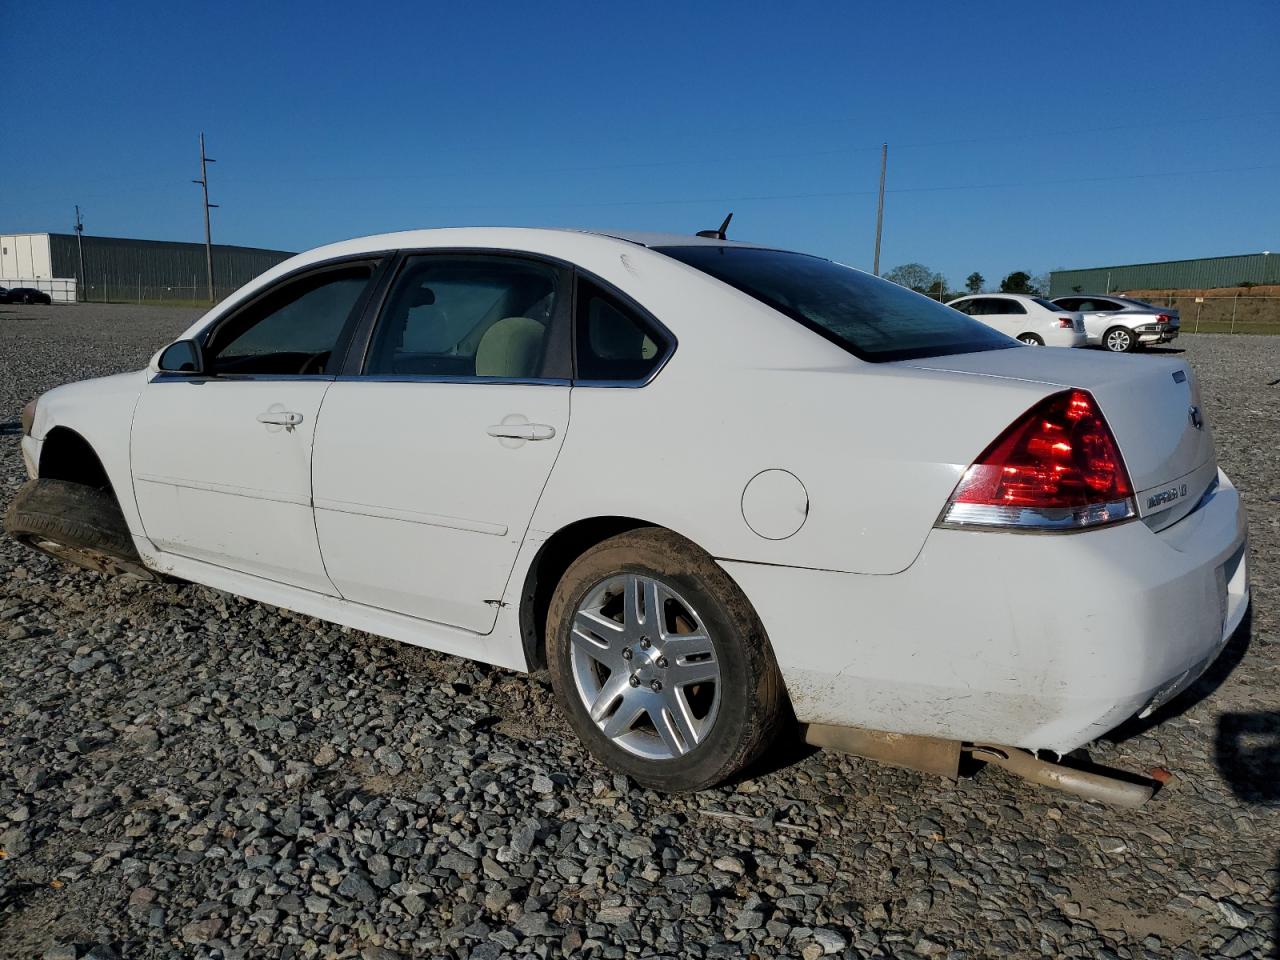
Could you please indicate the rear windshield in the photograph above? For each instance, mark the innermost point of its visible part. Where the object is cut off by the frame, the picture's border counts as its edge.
(1046, 304)
(871, 318)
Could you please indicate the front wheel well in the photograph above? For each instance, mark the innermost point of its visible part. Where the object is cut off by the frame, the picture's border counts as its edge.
(65, 455)
(549, 565)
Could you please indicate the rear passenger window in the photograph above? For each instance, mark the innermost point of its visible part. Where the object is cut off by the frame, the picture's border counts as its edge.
(615, 343)
(1005, 307)
(484, 317)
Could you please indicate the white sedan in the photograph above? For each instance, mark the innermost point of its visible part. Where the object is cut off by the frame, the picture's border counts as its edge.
(708, 485)
(1033, 320)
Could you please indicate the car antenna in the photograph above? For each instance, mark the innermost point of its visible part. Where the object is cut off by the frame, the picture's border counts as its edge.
(717, 234)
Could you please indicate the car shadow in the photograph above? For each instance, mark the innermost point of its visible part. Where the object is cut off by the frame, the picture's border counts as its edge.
(1209, 681)
(1247, 754)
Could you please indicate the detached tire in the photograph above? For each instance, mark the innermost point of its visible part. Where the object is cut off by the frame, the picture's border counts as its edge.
(76, 523)
(660, 664)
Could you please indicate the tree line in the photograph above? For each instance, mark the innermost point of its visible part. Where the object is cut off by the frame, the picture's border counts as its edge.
(918, 277)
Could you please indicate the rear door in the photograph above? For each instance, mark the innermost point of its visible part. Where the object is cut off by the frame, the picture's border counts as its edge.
(432, 452)
(1006, 315)
(221, 461)
(1099, 314)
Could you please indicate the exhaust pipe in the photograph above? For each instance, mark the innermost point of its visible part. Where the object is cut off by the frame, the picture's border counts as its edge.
(942, 757)
(1091, 786)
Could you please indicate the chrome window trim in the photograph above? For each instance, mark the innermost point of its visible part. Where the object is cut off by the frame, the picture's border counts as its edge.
(174, 376)
(443, 378)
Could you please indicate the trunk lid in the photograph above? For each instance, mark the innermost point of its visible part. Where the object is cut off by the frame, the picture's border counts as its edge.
(1152, 405)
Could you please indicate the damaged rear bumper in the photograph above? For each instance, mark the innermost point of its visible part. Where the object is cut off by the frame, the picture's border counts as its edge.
(1040, 642)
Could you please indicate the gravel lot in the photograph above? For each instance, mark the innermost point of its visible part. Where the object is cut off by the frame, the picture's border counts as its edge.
(190, 774)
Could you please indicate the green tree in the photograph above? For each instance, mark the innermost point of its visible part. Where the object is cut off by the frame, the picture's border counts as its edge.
(913, 276)
(1017, 282)
(973, 283)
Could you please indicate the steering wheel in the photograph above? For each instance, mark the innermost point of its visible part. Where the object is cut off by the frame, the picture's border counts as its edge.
(316, 360)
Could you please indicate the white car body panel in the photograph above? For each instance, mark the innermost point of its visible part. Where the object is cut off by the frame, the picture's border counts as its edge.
(426, 518)
(991, 636)
(215, 484)
(877, 618)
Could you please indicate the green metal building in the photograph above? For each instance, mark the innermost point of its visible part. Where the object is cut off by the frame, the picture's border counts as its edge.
(117, 269)
(1208, 272)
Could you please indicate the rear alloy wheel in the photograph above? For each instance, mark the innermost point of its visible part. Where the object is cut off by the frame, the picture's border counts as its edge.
(660, 664)
(1031, 340)
(75, 523)
(1120, 340)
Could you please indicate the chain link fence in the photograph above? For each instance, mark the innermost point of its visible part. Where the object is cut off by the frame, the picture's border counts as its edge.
(123, 290)
(1241, 310)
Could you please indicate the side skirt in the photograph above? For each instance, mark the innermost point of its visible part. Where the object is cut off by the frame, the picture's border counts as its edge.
(493, 648)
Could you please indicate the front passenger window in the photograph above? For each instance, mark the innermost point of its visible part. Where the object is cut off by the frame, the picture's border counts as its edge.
(293, 330)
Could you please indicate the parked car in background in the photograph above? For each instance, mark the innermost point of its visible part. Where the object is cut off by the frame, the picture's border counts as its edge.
(25, 295)
(1121, 324)
(707, 485)
(1033, 320)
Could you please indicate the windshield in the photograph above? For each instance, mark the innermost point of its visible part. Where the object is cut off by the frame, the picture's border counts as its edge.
(871, 318)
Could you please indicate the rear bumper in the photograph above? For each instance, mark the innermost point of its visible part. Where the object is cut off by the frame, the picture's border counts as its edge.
(1163, 334)
(1037, 641)
(1061, 337)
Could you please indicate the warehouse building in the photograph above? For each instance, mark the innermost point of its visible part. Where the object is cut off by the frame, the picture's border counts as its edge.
(117, 269)
(1250, 269)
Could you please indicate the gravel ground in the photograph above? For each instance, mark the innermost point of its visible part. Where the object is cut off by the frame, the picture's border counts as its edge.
(190, 774)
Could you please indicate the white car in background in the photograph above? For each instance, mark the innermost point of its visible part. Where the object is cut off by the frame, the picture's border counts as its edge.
(707, 485)
(1123, 325)
(1033, 320)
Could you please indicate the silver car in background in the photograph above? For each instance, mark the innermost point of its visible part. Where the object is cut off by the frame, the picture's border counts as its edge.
(1120, 324)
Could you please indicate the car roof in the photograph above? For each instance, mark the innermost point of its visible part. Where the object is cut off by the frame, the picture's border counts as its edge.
(1011, 296)
(437, 236)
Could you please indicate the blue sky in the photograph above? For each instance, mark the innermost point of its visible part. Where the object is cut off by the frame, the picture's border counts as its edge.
(1020, 137)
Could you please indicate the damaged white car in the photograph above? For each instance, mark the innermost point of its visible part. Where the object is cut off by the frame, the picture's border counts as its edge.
(707, 485)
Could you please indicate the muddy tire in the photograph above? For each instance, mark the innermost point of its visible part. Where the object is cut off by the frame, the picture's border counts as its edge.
(679, 694)
(76, 523)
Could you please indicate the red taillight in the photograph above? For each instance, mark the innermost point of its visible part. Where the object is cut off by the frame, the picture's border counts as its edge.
(1163, 318)
(1057, 466)
(1066, 322)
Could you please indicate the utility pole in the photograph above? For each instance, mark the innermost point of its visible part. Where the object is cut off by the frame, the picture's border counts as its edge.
(208, 239)
(884, 162)
(81, 293)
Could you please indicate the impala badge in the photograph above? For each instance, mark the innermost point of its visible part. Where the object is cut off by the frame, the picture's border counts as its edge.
(1166, 496)
(1197, 420)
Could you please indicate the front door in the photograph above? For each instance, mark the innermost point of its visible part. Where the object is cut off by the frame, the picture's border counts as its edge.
(221, 461)
(428, 465)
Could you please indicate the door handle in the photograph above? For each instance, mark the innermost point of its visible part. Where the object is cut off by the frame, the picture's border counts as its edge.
(523, 431)
(283, 418)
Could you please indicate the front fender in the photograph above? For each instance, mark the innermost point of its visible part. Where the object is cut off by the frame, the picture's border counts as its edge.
(101, 412)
